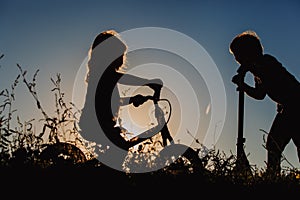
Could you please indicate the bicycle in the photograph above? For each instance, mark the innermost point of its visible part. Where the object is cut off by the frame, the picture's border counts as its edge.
(173, 154)
(61, 153)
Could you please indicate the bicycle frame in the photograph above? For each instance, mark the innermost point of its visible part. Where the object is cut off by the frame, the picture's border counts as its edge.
(166, 155)
(160, 128)
(171, 151)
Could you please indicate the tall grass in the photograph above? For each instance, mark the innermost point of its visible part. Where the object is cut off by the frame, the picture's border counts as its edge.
(21, 146)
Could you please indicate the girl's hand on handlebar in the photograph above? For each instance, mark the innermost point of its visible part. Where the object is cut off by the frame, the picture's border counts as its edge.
(139, 99)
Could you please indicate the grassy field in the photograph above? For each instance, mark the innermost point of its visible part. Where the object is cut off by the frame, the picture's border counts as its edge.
(70, 165)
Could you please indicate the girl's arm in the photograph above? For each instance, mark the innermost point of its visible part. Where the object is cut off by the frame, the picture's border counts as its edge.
(125, 101)
(136, 100)
(128, 79)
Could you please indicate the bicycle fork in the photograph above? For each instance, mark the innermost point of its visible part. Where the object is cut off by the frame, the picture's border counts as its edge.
(165, 133)
(161, 127)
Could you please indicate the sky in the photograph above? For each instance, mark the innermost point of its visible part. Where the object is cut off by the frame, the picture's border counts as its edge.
(55, 36)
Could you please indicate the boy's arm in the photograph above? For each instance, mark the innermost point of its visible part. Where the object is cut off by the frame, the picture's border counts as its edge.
(258, 92)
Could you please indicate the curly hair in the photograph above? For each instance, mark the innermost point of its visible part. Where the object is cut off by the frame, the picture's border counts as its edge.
(248, 41)
(116, 43)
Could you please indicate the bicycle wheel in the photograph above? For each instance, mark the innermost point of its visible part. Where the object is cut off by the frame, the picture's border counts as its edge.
(61, 153)
(180, 159)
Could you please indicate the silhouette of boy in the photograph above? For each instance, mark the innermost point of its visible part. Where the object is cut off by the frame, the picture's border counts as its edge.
(271, 79)
(102, 102)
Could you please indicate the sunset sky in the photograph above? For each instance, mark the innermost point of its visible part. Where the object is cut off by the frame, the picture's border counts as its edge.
(55, 36)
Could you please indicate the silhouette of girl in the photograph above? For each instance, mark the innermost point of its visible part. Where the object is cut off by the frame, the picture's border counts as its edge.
(106, 69)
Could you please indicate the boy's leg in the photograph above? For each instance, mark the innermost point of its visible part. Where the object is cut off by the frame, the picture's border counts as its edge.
(296, 140)
(277, 139)
(293, 118)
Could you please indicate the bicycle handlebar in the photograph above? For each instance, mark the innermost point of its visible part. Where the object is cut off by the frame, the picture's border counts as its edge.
(155, 98)
(157, 90)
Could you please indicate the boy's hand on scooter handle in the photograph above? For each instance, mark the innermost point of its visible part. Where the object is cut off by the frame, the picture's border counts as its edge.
(243, 69)
(238, 79)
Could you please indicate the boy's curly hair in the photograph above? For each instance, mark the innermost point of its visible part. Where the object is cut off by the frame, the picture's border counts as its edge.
(247, 41)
